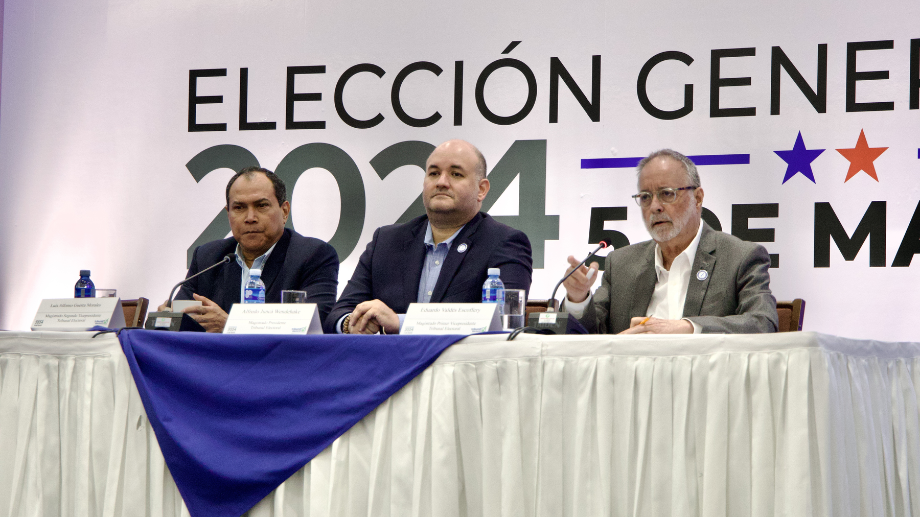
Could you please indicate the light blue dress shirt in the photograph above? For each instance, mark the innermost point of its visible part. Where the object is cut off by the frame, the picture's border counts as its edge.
(258, 263)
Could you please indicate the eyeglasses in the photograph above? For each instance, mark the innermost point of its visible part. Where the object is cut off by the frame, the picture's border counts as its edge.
(665, 195)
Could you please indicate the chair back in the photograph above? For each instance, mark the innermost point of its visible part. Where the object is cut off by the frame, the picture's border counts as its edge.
(135, 311)
(535, 306)
(791, 315)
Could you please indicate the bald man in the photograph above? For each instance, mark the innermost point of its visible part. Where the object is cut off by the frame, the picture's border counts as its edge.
(442, 256)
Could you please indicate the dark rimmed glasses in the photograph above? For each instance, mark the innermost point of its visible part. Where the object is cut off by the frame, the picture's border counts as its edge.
(666, 195)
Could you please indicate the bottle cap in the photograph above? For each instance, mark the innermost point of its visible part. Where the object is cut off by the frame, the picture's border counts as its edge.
(84, 272)
(255, 272)
(494, 271)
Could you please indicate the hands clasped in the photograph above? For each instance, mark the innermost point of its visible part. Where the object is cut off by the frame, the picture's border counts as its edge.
(658, 326)
(369, 317)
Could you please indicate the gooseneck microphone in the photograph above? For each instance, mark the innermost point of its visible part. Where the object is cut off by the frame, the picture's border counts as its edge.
(226, 259)
(552, 300)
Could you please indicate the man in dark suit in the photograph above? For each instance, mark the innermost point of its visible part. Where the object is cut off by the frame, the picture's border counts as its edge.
(688, 279)
(442, 256)
(258, 209)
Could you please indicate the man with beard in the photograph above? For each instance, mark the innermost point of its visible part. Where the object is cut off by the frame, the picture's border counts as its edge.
(688, 279)
(440, 257)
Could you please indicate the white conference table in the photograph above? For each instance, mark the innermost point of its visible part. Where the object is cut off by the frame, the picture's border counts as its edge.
(786, 424)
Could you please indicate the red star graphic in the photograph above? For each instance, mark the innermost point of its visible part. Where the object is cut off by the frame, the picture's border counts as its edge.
(862, 157)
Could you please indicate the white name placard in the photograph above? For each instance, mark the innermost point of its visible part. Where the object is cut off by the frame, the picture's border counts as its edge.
(451, 318)
(273, 318)
(77, 314)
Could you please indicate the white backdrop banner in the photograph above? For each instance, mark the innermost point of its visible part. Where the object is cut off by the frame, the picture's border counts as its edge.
(123, 120)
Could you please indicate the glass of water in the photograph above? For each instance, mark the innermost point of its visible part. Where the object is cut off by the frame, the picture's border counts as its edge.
(514, 310)
(293, 297)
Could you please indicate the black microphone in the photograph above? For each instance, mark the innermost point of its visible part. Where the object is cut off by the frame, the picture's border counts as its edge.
(179, 321)
(228, 258)
(552, 322)
(552, 300)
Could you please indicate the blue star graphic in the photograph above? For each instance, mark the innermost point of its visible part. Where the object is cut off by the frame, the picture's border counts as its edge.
(799, 159)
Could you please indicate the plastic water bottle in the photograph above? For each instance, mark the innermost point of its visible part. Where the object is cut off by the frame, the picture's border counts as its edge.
(84, 288)
(255, 288)
(493, 291)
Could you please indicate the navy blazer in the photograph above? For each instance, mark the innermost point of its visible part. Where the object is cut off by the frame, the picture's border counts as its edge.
(297, 263)
(390, 269)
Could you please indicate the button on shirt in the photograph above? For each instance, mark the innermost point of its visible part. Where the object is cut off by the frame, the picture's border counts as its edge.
(670, 293)
(258, 263)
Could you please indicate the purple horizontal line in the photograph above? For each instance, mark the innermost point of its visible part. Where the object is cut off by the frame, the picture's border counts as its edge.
(700, 159)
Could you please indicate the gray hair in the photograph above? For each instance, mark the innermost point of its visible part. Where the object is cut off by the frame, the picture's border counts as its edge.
(689, 166)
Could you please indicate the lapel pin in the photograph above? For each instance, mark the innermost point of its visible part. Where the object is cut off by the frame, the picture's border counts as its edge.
(702, 275)
(462, 247)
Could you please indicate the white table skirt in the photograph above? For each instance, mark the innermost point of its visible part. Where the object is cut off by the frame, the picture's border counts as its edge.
(787, 424)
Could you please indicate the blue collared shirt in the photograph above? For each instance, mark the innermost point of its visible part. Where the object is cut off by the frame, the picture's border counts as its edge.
(258, 263)
(431, 269)
(434, 259)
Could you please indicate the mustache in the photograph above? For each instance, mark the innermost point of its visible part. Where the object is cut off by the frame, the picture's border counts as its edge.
(659, 218)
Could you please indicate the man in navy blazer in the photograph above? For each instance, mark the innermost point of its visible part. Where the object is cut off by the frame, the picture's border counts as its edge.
(258, 209)
(442, 256)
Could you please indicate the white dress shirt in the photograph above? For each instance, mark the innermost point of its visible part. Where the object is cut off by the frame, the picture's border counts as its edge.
(670, 290)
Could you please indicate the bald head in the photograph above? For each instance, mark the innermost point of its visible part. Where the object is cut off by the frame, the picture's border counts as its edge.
(462, 147)
(455, 183)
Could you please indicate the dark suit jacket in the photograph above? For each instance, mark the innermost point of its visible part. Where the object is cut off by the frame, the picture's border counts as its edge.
(390, 269)
(297, 263)
(734, 297)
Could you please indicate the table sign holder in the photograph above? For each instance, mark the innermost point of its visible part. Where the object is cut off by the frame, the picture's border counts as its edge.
(451, 318)
(78, 314)
(273, 318)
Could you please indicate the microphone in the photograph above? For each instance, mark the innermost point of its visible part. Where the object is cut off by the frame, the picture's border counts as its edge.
(552, 306)
(228, 258)
(179, 321)
(553, 322)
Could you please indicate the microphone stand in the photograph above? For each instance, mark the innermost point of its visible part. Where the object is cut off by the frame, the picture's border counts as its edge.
(553, 321)
(552, 299)
(228, 258)
(180, 321)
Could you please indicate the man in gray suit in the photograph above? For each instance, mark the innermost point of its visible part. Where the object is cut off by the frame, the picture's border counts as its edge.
(688, 279)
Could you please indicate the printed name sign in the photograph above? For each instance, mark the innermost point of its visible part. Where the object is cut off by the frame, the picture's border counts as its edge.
(273, 318)
(78, 314)
(451, 318)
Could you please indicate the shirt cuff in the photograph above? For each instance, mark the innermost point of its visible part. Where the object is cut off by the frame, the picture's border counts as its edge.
(577, 309)
(696, 328)
(338, 324)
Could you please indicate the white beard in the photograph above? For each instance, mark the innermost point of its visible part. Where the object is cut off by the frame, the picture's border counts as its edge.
(666, 233)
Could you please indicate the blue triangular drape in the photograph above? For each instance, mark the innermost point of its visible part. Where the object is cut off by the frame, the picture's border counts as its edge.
(236, 415)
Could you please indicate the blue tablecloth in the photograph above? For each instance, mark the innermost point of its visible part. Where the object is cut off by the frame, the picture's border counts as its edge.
(236, 415)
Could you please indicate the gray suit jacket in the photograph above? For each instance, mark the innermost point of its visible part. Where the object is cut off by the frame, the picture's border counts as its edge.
(734, 297)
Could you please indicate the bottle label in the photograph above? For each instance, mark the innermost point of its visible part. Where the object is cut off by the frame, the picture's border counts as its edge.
(84, 292)
(254, 296)
(493, 295)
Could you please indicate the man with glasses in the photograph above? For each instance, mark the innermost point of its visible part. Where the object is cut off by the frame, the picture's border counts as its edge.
(688, 279)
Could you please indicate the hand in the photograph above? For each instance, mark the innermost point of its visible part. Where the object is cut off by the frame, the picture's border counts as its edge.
(209, 315)
(658, 326)
(370, 317)
(578, 286)
(163, 306)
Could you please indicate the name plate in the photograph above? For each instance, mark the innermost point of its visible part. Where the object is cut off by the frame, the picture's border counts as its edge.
(78, 314)
(451, 318)
(273, 318)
